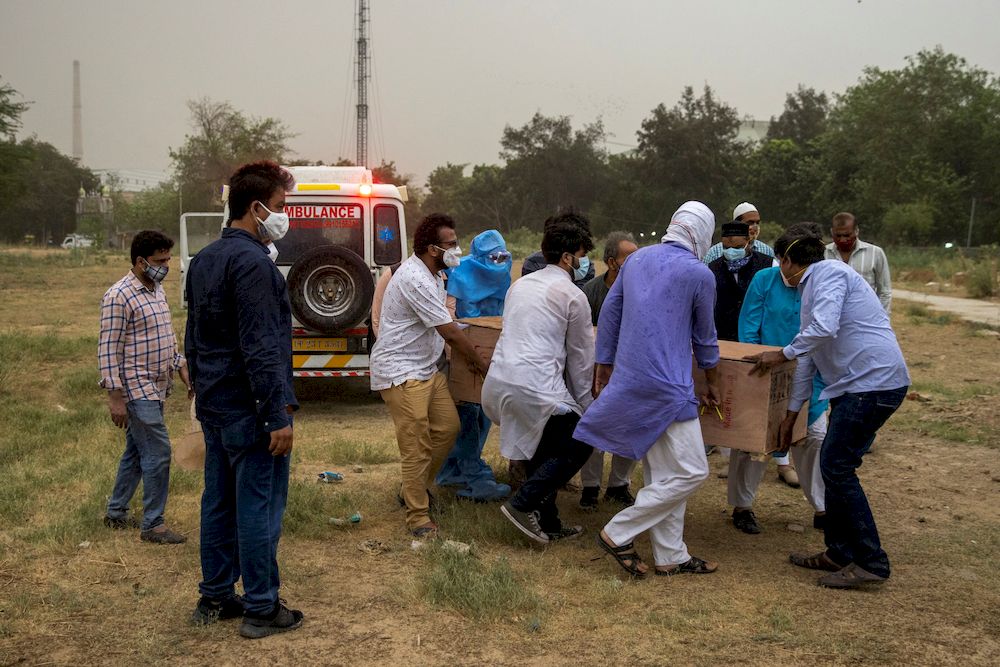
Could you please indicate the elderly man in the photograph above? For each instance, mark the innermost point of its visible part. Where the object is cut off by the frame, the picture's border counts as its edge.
(845, 335)
(617, 247)
(748, 213)
(540, 380)
(658, 311)
(866, 258)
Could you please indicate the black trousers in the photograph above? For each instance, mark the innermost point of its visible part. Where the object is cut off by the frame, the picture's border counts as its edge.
(559, 456)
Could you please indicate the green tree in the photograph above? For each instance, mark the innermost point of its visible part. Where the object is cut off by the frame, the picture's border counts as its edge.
(549, 166)
(156, 208)
(12, 155)
(927, 132)
(42, 195)
(690, 151)
(223, 139)
(909, 224)
(803, 118)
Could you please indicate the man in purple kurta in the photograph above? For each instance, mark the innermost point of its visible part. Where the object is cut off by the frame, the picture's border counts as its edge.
(658, 311)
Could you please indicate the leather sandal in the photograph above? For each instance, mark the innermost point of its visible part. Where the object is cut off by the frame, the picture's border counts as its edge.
(693, 566)
(818, 561)
(625, 555)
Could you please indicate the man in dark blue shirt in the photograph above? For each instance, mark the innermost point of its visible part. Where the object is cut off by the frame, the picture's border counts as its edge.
(238, 346)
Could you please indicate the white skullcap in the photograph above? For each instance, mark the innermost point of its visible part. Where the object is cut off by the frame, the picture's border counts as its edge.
(745, 207)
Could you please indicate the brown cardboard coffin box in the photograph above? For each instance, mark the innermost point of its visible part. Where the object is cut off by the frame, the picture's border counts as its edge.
(753, 407)
(483, 332)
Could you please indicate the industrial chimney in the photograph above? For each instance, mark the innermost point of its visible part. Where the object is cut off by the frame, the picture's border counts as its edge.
(77, 115)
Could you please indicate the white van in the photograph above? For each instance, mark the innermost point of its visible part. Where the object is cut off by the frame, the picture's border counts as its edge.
(344, 230)
(76, 241)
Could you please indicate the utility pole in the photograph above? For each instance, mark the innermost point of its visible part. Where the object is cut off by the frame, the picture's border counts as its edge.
(362, 82)
(972, 217)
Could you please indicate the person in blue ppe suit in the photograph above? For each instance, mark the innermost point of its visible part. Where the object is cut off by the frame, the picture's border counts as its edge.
(479, 285)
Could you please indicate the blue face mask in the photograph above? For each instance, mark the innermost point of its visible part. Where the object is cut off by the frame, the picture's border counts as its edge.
(580, 272)
(734, 254)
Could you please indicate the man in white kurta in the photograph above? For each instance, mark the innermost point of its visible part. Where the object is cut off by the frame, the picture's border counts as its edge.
(540, 381)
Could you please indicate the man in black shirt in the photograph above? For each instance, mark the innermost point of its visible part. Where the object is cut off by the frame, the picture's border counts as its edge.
(733, 273)
(239, 350)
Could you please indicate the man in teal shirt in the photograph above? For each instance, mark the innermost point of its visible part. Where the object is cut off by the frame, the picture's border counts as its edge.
(770, 316)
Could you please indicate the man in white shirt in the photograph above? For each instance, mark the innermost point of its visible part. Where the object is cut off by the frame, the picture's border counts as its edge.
(866, 258)
(540, 379)
(404, 364)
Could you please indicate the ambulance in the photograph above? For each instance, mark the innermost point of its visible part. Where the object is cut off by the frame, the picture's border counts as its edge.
(344, 230)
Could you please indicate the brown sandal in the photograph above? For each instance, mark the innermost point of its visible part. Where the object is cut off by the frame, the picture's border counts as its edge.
(818, 561)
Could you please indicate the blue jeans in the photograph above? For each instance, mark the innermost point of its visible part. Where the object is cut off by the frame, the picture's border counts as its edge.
(465, 466)
(246, 490)
(850, 532)
(147, 458)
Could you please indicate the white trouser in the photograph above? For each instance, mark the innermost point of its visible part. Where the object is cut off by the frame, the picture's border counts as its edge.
(744, 478)
(593, 470)
(673, 468)
(745, 474)
(806, 457)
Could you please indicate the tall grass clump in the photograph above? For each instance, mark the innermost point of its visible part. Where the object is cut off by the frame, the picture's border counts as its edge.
(475, 589)
(981, 280)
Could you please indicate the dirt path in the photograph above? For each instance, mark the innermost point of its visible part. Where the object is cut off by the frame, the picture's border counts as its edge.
(972, 310)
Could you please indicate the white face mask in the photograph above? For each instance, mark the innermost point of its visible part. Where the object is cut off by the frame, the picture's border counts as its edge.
(274, 226)
(272, 252)
(452, 257)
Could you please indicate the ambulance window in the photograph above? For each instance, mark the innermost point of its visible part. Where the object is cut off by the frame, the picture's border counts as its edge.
(387, 246)
(318, 224)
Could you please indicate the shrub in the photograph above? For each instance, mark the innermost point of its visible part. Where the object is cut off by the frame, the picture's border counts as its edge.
(981, 280)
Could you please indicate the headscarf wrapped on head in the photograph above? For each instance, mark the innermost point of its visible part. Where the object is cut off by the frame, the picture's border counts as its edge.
(479, 284)
(692, 226)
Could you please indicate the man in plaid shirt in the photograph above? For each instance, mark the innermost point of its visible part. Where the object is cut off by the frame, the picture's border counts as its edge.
(138, 354)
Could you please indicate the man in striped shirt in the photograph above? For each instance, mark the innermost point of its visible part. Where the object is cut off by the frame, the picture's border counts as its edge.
(866, 258)
(137, 354)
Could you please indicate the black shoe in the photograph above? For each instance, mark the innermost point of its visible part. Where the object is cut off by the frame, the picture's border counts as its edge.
(819, 522)
(162, 537)
(209, 611)
(282, 620)
(121, 523)
(526, 522)
(589, 496)
(566, 533)
(619, 494)
(746, 521)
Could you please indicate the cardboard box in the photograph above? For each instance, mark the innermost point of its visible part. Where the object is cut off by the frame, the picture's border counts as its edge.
(753, 407)
(483, 332)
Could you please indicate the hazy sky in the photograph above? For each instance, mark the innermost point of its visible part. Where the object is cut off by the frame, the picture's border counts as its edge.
(448, 75)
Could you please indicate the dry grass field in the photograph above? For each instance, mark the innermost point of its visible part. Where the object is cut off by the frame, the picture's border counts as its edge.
(74, 592)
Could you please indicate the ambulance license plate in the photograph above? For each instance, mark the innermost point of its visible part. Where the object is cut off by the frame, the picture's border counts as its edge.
(319, 345)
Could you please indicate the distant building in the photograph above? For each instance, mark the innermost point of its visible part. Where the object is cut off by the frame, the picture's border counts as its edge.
(131, 180)
(753, 131)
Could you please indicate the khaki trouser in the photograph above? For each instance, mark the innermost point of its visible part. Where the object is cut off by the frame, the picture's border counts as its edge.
(426, 427)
